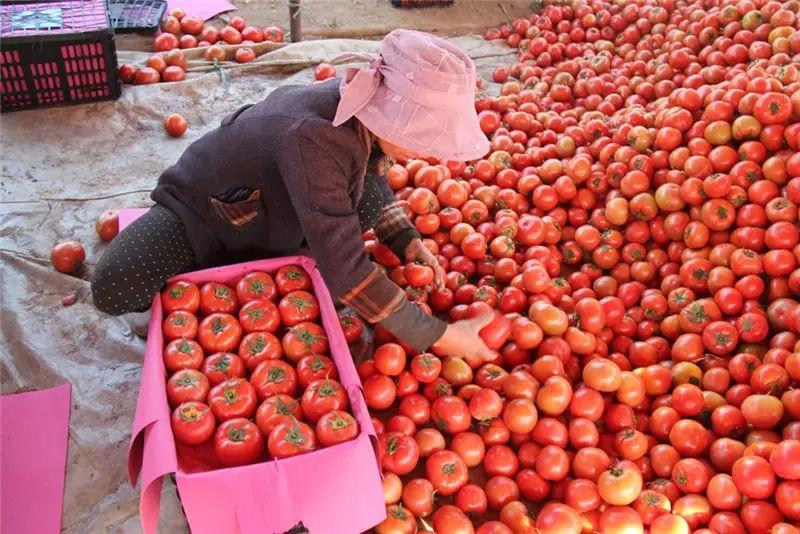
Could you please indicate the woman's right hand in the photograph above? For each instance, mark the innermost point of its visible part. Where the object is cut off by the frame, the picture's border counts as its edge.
(461, 339)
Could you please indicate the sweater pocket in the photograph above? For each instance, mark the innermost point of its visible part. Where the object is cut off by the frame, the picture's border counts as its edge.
(238, 207)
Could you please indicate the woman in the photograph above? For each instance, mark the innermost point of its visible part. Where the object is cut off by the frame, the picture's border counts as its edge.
(305, 167)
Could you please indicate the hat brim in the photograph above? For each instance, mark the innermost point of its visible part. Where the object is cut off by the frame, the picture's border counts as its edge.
(449, 133)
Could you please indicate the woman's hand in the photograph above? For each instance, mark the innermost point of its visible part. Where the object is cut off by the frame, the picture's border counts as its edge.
(461, 339)
(417, 251)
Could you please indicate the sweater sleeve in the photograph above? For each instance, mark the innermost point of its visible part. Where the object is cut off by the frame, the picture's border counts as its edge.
(319, 173)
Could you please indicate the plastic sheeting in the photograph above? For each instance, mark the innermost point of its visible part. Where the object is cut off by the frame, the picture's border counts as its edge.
(60, 168)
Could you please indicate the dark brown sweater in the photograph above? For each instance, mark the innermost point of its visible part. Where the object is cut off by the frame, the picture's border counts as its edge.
(277, 173)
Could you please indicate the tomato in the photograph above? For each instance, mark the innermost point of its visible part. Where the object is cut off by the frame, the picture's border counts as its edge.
(174, 124)
(322, 396)
(182, 354)
(620, 520)
(107, 225)
(192, 423)
(399, 453)
(352, 327)
(398, 521)
(621, 484)
(418, 497)
(336, 427)
(754, 477)
(256, 285)
(221, 366)
(380, 391)
(450, 519)
(234, 398)
(272, 377)
(315, 367)
(275, 410)
(304, 338)
(256, 347)
(259, 315)
(446, 471)
(238, 442)
(67, 256)
(298, 307)
(217, 298)
(472, 499)
(496, 332)
(219, 332)
(291, 438)
(187, 385)
(292, 278)
(180, 295)
(450, 414)
(390, 359)
(470, 447)
(425, 367)
(772, 108)
(244, 54)
(785, 460)
(149, 75)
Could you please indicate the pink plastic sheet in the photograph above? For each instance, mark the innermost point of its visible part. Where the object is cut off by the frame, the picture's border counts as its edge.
(204, 9)
(34, 428)
(332, 490)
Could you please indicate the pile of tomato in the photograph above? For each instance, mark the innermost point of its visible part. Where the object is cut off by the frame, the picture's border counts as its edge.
(636, 221)
(248, 370)
(180, 30)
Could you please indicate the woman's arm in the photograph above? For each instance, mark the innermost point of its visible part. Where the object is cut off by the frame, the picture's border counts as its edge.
(317, 170)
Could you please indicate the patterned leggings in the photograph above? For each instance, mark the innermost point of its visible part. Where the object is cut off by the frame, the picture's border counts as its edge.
(155, 247)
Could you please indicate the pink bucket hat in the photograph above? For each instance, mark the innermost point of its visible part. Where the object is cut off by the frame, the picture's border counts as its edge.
(417, 93)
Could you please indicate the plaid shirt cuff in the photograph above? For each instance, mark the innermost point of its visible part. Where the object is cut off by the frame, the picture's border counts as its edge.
(375, 298)
(394, 229)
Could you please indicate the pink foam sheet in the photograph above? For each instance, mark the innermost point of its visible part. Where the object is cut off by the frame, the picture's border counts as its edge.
(34, 428)
(336, 490)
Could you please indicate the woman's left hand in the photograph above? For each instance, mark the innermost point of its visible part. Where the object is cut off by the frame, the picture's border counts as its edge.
(417, 251)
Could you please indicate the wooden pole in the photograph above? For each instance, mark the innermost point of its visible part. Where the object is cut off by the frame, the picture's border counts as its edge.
(295, 32)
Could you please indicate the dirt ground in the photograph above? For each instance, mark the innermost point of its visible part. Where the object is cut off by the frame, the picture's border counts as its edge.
(366, 18)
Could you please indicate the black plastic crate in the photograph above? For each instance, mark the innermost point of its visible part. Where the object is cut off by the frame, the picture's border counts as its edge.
(136, 15)
(55, 53)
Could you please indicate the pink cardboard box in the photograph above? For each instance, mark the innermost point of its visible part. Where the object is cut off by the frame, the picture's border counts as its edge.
(335, 490)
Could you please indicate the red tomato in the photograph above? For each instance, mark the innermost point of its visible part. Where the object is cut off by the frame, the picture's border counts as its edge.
(182, 354)
(290, 439)
(256, 285)
(399, 453)
(234, 398)
(275, 410)
(180, 295)
(256, 347)
(298, 307)
(352, 327)
(304, 338)
(336, 427)
(219, 332)
(107, 225)
(447, 472)
(67, 256)
(192, 423)
(292, 278)
(273, 377)
(259, 315)
(322, 396)
(238, 442)
(187, 385)
(217, 298)
(221, 366)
